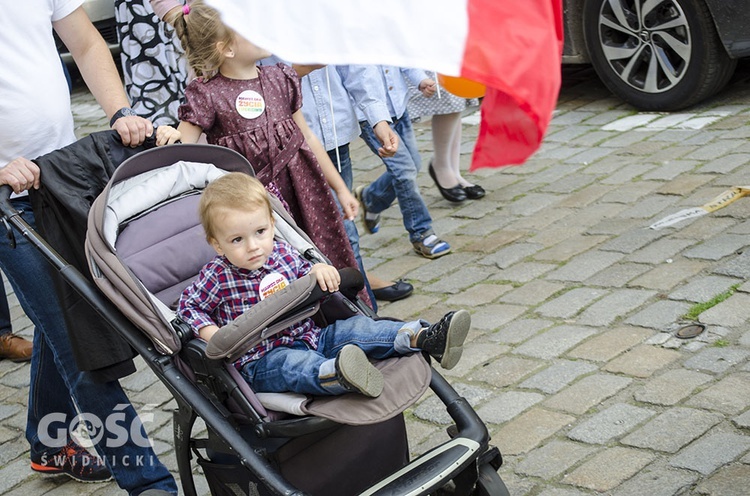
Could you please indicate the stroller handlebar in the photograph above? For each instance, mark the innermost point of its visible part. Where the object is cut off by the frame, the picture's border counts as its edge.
(5, 192)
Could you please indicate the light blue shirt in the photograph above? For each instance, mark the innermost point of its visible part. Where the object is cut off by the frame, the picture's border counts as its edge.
(349, 85)
(392, 95)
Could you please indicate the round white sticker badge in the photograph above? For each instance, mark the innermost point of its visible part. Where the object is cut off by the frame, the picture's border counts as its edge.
(250, 104)
(271, 283)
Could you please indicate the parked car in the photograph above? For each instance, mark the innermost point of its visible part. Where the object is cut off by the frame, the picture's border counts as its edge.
(658, 54)
(102, 15)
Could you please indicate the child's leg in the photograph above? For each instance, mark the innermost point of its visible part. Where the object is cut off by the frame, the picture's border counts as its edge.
(284, 369)
(377, 338)
(446, 134)
(302, 370)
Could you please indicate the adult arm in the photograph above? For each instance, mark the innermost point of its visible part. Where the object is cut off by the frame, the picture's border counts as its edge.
(93, 59)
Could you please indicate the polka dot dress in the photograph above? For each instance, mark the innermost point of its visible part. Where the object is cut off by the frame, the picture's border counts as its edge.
(447, 103)
(259, 125)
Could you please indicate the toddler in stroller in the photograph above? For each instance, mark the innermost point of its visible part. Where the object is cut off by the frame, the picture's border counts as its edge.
(145, 245)
(237, 217)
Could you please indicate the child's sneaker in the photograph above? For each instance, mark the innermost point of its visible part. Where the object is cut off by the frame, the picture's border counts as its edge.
(370, 220)
(444, 340)
(355, 372)
(74, 461)
(431, 247)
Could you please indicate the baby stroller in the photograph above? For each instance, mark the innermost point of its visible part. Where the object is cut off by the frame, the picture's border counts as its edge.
(145, 244)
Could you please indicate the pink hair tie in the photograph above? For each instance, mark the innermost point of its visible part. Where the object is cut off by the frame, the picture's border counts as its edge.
(186, 9)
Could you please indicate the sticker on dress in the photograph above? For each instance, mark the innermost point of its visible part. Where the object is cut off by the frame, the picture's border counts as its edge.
(250, 104)
(271, 283)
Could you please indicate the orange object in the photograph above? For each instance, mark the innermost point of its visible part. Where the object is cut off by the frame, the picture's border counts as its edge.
(464, 88)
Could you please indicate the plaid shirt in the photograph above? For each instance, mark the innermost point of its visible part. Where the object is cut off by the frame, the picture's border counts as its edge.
(222, 292)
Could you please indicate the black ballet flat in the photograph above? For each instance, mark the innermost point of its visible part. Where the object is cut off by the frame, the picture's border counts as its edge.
(396, 291)
(455, 194)
(474, 192)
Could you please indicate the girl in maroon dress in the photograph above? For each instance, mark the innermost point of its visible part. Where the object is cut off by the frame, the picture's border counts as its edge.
(256, 111)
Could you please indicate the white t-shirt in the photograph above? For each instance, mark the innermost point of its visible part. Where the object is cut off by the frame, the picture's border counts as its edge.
(35, 114)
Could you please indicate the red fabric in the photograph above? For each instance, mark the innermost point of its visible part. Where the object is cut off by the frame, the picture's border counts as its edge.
(516, 51)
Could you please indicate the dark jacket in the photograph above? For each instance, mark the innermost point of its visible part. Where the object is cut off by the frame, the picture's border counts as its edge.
(71, 179)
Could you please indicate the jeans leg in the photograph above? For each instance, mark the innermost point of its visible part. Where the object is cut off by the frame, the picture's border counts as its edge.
(400, 180)
(378, 338)
(349, 225)
(286, 368)
(56, 384)
(299, 369)
(5, 324)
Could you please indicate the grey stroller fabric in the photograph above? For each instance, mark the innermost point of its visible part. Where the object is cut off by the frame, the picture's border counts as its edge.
(405, 378)
(252, 327)
(142, 266)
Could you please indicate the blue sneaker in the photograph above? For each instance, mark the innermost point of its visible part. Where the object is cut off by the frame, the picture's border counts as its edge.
(431, 247)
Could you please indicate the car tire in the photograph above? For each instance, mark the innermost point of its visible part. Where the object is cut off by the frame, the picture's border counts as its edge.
(634, 54)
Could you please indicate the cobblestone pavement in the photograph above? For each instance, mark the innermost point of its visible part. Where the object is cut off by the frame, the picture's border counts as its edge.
(573, 360)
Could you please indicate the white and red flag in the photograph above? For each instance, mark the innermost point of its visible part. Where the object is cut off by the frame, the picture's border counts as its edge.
(513, 47)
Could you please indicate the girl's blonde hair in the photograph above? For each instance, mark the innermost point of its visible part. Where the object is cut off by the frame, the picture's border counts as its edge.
(236, 191)
(200, 32)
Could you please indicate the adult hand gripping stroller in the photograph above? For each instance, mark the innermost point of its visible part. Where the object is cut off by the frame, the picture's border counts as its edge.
(260, 444)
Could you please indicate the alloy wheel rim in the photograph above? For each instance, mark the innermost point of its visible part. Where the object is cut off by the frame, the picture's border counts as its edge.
(647, 43)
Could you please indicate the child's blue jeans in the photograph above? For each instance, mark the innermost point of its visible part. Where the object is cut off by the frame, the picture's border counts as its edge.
(299, 369)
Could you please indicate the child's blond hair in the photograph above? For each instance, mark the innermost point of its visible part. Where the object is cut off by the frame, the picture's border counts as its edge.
(202, 35)
(236, 191)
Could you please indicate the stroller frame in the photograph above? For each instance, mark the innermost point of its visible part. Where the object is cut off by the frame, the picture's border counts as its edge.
(467, 458)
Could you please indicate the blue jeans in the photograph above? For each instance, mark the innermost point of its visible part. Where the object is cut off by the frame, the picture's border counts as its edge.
(57, 386)
(399, 181)
(299, 369)
(5, 324)
(349, 225)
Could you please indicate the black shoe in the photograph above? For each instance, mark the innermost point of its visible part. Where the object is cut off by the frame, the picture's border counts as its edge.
(444, 340)
(455, 194)
(474, 192)
(355, 372)
(396, 291)
(74, 461)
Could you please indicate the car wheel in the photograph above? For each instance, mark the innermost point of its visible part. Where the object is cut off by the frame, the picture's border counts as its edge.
(656, 54)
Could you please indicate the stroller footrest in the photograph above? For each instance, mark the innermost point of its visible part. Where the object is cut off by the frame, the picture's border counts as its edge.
(432, 469)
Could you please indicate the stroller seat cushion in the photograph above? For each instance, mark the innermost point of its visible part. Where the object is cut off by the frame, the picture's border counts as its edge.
(166, 251)
(406, 379)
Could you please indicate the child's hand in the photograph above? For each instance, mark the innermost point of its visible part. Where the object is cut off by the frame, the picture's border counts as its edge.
(428, 87)
(166, 135)
(327, 276)
(349, 204)
(387, 137)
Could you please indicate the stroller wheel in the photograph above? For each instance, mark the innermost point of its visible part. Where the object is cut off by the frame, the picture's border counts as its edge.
(489, 482)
